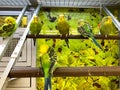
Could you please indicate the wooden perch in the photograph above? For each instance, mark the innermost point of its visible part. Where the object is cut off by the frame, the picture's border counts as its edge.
(73, 36)
(66, 71)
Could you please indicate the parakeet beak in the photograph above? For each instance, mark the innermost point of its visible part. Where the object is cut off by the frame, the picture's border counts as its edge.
(109, 20)
(40, 55)
(98, 25)
(61, 17)
(35, 18)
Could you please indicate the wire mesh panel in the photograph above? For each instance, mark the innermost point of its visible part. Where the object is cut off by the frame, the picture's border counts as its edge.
(78, 3)
(14, 3)
(11, 47)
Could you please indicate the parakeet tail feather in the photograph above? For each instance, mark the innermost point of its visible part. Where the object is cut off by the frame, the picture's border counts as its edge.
(34, 41)
(67, 42)
(47, 85)
(96, 43)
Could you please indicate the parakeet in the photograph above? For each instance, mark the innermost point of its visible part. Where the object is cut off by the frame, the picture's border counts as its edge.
(85, 30)
(35, 26)
(48, 60)
(107, 27)
(1, 32)
(9, 27)
(63, 27)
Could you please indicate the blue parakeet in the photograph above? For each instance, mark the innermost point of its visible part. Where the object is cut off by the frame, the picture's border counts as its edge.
(35, 26)
(63, 27)
(85, 30)
(9, 27)
(48, 60)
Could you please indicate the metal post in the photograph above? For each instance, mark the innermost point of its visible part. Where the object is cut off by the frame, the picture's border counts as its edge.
(21, 15)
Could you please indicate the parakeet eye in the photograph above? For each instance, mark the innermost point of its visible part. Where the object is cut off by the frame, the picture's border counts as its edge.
(5, 28)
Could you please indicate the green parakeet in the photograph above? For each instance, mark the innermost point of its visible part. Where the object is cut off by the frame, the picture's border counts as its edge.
(63, 27)
(35, 26)
(48, 60)
(85, 30)
(107, 27)
(9, 27)
(1, 32)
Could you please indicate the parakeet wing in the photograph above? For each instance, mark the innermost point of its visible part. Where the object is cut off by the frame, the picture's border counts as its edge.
(8, 29)
(86, 31)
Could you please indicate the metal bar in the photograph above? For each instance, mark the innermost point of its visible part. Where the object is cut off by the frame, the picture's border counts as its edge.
(17, 72)
(8, 68)
(21, 42)
(21, 15)
(6, 42)
(109, 37)
(115, 21)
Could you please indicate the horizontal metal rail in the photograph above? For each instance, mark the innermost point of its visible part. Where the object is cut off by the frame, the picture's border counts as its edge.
(17, 72)
(117, 37)
(8, 67)
(6, 42)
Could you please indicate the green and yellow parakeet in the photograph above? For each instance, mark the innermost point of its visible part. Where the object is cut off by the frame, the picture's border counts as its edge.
(107, 27)
(85, 30)
(35, 26)
(63, 27)
(1, 32)
(48, 60)
(9, 27)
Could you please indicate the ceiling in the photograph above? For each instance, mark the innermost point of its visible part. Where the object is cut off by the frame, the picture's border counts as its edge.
(59, 3)
(78, 3)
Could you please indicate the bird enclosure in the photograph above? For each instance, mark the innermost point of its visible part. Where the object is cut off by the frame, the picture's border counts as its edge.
(82, 66)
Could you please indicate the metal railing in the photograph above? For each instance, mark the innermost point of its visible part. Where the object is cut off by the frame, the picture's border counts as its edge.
(3, 48)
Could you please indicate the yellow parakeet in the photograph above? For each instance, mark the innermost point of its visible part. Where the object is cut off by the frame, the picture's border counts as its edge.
(35, 26)
(9, 27)
(107, 27)
(63, 27)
